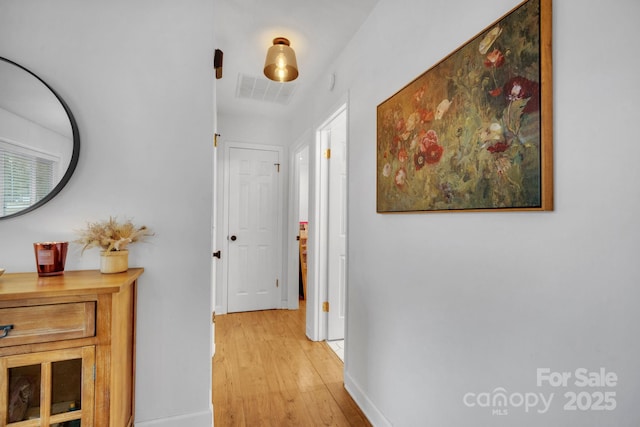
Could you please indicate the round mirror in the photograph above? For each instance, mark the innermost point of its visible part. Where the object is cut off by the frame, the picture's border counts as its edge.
(39, 141)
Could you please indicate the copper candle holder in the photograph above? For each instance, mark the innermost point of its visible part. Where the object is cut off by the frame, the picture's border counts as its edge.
(50, 257)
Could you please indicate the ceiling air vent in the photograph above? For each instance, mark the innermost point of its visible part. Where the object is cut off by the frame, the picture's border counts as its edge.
(262, 89)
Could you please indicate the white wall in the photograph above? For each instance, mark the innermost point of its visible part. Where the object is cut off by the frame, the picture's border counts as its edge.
(253, 130)
(445, 304)
(138, 78)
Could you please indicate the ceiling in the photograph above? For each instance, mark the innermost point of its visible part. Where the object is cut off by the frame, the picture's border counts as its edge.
(245, 29)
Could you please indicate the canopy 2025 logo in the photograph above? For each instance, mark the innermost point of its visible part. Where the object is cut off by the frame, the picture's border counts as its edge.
(584, 390)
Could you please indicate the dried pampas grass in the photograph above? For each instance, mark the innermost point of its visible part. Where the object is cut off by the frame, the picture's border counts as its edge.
(111, 235)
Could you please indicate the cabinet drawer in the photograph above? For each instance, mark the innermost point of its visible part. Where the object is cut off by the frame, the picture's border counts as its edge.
(46, 323)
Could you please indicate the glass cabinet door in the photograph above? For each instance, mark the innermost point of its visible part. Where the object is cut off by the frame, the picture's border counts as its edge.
(48, 389)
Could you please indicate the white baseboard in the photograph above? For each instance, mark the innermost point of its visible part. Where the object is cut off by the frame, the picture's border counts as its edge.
(201, 419)
(370, 410)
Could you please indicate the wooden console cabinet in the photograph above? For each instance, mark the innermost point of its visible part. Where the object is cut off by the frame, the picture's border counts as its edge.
(67, 349)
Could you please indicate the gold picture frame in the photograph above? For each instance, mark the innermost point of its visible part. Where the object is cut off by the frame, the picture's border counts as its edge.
(475, 131)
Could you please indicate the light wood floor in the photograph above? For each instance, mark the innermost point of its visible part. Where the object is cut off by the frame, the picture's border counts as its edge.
(267, 373)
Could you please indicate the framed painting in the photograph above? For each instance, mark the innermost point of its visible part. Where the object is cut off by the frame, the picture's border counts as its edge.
(474, 132)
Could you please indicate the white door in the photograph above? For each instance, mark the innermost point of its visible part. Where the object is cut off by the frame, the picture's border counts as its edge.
(252, 280)
(337, 248)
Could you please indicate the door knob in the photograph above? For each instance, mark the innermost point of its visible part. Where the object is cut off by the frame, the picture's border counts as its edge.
(233, 238)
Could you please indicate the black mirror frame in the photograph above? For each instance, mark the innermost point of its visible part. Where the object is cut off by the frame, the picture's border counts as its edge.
(75, 155)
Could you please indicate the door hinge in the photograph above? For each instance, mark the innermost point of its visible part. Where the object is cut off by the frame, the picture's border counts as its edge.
(215, 139)
(94, 372)
(277, 283)
(325, 306)
(217, 254)
(327, 153)
(213, 317)
(277, 165)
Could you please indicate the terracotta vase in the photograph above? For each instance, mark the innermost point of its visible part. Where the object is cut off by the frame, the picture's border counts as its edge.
(114, 261)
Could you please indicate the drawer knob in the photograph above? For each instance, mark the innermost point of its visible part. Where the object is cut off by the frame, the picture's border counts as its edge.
(4, 330)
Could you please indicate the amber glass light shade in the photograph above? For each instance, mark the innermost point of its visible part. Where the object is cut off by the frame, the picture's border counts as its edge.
(281, 65)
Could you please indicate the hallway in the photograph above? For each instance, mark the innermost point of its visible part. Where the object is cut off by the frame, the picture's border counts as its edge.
(267, 373)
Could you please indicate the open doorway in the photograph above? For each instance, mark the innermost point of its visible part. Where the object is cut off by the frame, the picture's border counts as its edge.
(302, 159)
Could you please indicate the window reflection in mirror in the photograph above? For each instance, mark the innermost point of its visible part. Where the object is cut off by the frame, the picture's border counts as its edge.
(39, 143)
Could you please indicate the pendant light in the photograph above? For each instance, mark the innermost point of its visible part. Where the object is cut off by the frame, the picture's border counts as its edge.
(281, 65)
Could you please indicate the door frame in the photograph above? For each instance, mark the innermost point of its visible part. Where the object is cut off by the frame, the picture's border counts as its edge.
(317, 320)
(294, 214)
(336, 214)
(222, 304)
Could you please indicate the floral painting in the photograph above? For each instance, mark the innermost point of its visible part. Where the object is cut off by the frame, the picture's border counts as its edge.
(468, 133)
